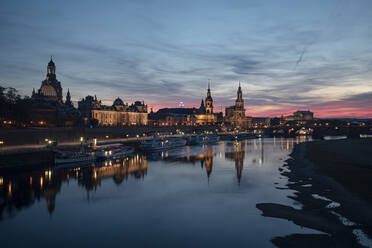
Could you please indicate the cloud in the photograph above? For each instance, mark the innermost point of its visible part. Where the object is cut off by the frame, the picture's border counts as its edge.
(161, 56)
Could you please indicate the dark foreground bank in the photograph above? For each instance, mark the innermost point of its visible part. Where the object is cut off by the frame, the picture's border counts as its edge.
(333, 181)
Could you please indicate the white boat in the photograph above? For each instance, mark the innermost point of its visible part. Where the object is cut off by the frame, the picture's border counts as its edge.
(66, 157)
(335, 137)
(162, 143)
(112, 151)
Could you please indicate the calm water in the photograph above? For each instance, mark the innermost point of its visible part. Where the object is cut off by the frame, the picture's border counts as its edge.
(195, 196)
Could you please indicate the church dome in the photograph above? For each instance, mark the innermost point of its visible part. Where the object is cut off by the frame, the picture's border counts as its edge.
(48, 90)
(118, 101)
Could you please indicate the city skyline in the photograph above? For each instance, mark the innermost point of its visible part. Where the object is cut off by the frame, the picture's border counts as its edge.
(286, 59)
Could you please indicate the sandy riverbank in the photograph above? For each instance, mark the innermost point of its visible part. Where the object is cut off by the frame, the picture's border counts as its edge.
(333, 181)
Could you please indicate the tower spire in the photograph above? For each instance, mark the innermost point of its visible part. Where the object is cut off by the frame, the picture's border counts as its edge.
(68, 98)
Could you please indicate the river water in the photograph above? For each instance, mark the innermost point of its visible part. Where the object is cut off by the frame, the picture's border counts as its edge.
(195, 196)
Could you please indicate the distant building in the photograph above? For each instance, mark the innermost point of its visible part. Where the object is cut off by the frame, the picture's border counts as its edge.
(173, 117)
(201, 116)
(235, 115)
(87, 104)
(48, 108)
(300, 116)
(205, 116)
(50, 88)
(120, 114)
(260, 122)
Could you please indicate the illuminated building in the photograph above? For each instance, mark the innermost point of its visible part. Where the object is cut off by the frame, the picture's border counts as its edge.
(235, 115)
(206, 115)
(201, 116)
(120, 114)
(300, 116)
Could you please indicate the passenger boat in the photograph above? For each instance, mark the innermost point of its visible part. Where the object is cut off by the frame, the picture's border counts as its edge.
(116, 150)
(162, 143)
(67, 157)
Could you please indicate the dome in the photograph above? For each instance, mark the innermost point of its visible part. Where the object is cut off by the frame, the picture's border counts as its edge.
(118, 101)
(48, 90)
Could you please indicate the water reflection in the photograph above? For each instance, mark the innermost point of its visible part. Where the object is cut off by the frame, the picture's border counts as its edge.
(237, 155)
(23, 190)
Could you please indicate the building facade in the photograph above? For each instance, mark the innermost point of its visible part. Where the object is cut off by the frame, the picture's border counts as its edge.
(235, 115)
(205, 115)
(201, 116)
(300, 116)
(121, 114)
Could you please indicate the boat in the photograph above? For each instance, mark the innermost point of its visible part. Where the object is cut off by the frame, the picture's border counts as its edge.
(68, 157)
(109, 151)
(209, 138)
(159, 143)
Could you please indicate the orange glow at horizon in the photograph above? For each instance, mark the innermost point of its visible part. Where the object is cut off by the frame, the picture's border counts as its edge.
(326, 111)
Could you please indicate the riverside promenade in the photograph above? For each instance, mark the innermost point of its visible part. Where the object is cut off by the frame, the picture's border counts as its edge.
(36, 139)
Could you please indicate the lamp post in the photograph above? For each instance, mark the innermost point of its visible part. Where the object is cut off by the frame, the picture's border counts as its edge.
(82, 144)
(1, 144)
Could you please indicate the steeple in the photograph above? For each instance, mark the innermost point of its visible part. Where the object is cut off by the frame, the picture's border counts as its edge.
(202, 107)
(239, 93)
(68, 98)
(209, 100)
(239, 102)
(209, 88)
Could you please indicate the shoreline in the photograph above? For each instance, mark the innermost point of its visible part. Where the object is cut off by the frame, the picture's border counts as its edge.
(328, 206)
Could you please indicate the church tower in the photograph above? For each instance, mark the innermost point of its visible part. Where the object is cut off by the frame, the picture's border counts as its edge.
(239, 103)
(68, 98)
(51, 68)
(202, 107)
(209, 101)
(50, 87)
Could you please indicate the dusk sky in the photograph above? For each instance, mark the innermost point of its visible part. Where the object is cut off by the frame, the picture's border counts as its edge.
(288, 55)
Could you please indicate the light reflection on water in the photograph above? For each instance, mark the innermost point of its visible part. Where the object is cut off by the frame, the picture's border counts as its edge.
(192, 196)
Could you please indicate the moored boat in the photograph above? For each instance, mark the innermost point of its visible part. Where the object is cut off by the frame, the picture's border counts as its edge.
(116, 150)
(67, 157)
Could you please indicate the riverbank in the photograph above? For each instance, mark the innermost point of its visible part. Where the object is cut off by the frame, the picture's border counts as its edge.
(66, 135)
(332, 180)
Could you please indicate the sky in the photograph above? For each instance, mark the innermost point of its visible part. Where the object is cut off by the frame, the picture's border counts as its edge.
(288, 55)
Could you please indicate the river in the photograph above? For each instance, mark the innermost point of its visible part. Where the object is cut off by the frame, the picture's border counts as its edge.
(195, 196)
